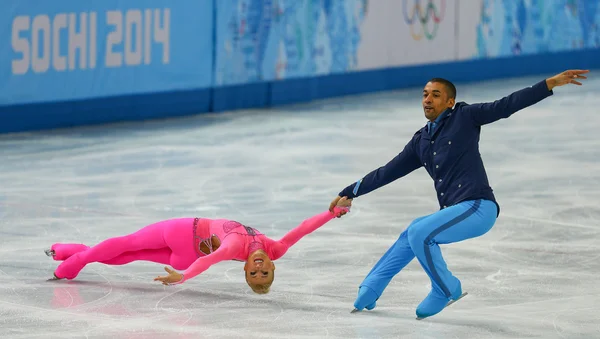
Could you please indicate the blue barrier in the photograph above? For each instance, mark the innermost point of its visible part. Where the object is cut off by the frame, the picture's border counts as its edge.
(68, 64)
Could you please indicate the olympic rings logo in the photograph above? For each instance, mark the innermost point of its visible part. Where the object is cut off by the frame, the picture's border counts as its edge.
(426, 17)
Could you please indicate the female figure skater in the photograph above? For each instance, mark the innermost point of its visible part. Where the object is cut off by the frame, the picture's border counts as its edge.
(193, 245)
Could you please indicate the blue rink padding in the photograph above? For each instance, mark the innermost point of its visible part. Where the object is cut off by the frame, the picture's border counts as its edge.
(302, 90)
(268, 94)
(253, 95)
(306, 89)
(42, 116)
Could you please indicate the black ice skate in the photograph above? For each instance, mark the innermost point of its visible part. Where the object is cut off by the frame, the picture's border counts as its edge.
(49, 252)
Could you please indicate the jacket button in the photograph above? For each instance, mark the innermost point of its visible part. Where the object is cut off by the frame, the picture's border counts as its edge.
(437, 166)
(440, 180)
(425, 164)
(442, 194)
(459, 185)
(449, 142)
(434, 153)
(432, 141)
(445, 206)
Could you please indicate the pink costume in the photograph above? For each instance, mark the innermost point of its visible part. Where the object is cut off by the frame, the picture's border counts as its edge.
(190, 244)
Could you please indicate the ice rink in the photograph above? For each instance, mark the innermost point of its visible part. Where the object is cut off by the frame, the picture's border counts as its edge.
(534, 275)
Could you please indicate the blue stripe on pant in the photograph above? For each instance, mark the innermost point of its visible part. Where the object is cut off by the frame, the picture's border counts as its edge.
(422, 237)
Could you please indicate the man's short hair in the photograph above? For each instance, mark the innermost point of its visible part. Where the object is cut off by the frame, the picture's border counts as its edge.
(449, 86)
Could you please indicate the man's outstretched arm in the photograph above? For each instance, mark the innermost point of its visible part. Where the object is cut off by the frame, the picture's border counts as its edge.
(486, 113)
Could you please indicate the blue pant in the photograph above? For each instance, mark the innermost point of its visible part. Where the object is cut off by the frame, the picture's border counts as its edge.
(466, 220)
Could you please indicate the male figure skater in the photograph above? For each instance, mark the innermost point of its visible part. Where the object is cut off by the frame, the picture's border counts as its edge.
(448, 147)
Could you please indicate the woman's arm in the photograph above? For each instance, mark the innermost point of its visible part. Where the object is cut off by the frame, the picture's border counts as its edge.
(306, 227)
(226, 251)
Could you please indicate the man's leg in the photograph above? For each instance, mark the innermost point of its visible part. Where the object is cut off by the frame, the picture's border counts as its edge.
(390, 264)
(466, 220)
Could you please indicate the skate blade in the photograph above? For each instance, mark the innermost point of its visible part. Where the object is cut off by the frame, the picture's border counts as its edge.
(448, 304)
(54, 277)
(355, 310)
(49, 252)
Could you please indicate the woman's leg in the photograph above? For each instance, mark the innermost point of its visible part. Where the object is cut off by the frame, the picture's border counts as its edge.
(62, 252)
(160, 256)
(180, 239)
(148, 238)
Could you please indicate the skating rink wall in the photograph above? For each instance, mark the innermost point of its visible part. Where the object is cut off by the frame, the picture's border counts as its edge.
(71, 63)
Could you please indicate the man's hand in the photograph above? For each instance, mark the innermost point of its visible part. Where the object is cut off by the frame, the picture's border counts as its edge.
(566, 77)
(172, 278)
(339, 201)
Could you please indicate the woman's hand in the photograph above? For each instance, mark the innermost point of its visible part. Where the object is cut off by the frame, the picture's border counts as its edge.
(344, 202)
(340, 202)
(172, 278)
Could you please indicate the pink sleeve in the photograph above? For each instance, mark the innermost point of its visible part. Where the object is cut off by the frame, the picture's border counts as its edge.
(225, 252)
(306, 227)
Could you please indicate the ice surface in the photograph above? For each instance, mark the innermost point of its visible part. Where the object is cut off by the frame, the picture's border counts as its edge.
(534, 275)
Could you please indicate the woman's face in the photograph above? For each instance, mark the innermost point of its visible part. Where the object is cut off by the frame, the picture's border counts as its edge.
(259, 268)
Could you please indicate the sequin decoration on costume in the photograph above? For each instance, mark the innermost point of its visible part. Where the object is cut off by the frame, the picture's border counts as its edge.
(231, 225)
(254, 246)
(205, 246)
(250, 231)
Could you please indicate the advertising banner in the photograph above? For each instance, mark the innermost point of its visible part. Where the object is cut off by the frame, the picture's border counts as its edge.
(69, 50)
(501, 28)
(265, 40)
(407, 32)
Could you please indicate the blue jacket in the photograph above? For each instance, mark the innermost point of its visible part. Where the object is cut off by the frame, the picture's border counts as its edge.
(451, 153)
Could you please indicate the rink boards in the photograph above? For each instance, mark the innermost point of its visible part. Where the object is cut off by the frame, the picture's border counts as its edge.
(67, 64)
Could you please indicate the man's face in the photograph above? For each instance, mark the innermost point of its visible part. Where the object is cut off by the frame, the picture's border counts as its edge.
(435, 100)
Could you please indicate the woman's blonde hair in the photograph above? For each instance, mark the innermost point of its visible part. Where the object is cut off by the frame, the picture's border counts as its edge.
(261, 288)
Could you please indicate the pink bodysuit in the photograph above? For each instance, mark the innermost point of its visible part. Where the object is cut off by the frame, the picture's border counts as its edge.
(190, 244)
